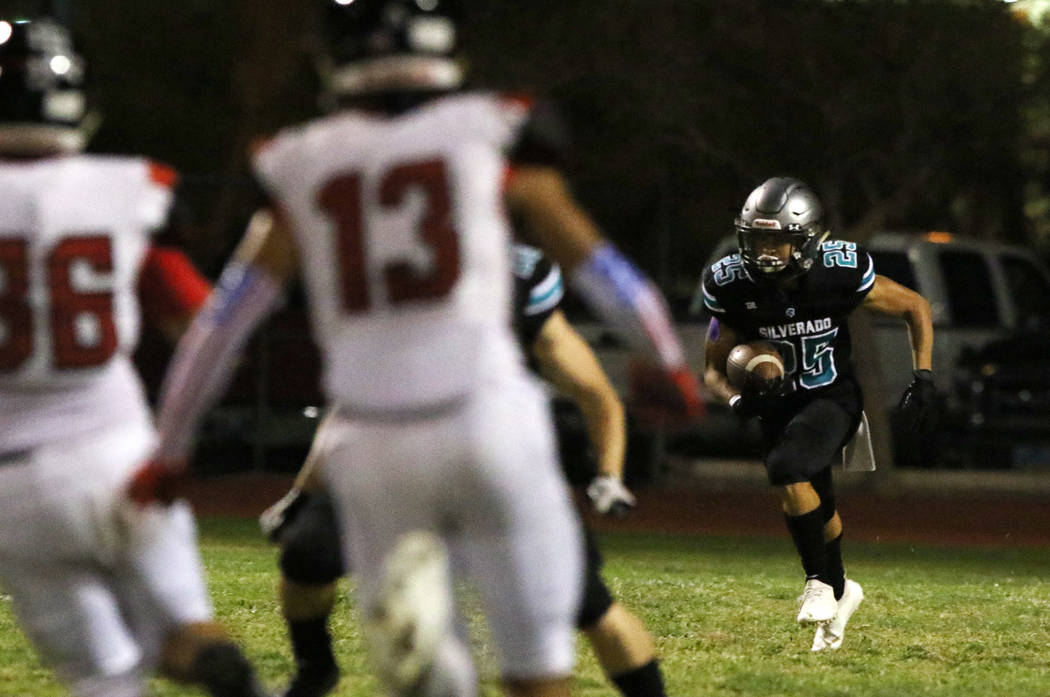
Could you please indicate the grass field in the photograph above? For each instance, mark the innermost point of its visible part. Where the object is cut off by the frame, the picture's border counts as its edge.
(937, 621)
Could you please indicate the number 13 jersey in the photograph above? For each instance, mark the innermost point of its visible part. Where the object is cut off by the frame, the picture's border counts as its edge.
(403, 238)
(807, 323)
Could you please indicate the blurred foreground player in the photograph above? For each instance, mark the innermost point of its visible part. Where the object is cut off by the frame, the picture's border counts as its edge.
(438, 442)
(792, 286)
(621, 643)
(107, 593)
(304, 521)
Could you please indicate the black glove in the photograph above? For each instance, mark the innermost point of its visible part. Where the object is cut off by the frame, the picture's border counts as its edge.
(745, 405)
(918, 405)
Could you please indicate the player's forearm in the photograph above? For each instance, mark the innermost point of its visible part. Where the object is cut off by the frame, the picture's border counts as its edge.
(920, 333)
(607, 429)
(718, 383)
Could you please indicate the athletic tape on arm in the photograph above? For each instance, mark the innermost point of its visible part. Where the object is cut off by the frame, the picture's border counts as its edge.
(629, 302)
(204, 359)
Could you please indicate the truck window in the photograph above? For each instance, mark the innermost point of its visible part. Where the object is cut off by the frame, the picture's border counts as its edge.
(968, 283)
(1030, 291)
(895, 266)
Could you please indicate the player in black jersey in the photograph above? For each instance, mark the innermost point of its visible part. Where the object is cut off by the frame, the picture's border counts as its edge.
(305, 522)
(793, 286)
(621, 643)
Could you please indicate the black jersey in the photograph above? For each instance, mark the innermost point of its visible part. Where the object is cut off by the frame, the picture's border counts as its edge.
(538, 291)
(808, 322)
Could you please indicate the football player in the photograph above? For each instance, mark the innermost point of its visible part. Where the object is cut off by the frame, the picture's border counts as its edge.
(438, 446)
(108, 594)
(791, 285)
(304, 521)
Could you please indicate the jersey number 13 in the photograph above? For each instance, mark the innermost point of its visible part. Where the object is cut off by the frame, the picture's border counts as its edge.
(343, 198)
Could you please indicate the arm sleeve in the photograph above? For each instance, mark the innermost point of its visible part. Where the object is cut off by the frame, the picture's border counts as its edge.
(205, 356)
(622, 296)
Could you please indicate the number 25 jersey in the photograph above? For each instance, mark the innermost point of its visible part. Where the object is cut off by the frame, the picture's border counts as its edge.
(403, 241)
(807, 323)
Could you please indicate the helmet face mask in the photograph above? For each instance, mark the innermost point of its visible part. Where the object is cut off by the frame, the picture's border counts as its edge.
(780, 230)
(43, 106)
(769, 251)
(375, 47)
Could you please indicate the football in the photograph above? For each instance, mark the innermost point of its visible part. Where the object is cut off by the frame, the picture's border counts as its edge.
(755, 366)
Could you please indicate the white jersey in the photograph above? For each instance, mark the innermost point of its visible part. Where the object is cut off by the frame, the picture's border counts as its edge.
(404, 246)
(73, 234)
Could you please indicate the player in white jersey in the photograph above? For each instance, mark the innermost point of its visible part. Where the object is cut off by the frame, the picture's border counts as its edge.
(106, 593)
(395, 208)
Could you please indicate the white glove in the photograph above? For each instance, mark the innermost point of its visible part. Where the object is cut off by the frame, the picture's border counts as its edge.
(610, 496)
(277, 517)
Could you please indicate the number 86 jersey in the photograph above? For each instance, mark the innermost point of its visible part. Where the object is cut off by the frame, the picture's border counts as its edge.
(404, 246)
(73, 234)
(806, 322)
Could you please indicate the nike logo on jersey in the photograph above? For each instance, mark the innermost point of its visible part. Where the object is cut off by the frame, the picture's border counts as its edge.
(780, 331)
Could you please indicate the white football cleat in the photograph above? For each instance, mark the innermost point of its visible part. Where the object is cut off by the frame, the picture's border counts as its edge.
(411, 614)
(818, 603)
(829, 634)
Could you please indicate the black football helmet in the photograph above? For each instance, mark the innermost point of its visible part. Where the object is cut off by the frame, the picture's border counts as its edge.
(780, 230)
(371, 47)
(43, 104)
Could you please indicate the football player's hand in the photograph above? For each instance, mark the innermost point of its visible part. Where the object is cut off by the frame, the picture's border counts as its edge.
(155, 482)
(664, 397)
(746, 405)
(766, 388)
(918, 405)
(609, 496)
(276, 519)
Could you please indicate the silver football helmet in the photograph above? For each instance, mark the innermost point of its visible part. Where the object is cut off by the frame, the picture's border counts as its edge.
(780, 229)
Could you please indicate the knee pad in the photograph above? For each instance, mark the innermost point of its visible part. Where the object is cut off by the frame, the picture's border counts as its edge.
(597, 599)
(311, 552)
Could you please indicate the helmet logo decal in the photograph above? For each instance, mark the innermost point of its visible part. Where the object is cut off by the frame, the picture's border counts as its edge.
(766, 223)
